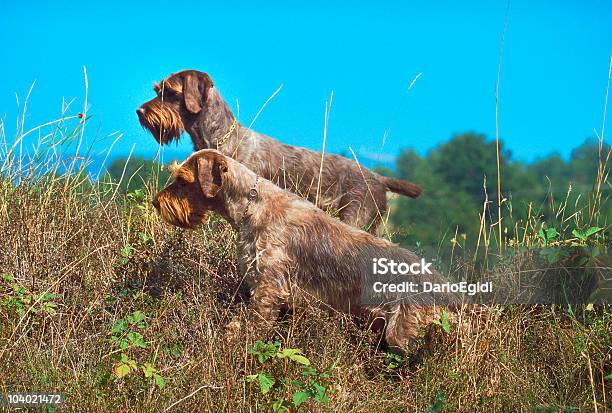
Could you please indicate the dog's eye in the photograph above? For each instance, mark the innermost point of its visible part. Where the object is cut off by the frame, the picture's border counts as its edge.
(168, 94)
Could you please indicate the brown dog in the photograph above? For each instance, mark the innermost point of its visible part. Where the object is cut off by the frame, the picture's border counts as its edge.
(290, 251)
(188, 101)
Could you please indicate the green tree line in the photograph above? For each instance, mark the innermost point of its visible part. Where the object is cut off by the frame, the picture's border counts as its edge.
(460, 175)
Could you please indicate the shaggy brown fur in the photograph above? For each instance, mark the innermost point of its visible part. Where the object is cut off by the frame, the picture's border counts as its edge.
(290, 251)
(188, 101)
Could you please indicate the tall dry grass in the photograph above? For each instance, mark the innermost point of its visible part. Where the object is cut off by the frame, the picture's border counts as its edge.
(83, 268)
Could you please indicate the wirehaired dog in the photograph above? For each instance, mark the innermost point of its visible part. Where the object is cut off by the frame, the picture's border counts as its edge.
(188, 101)
(291, 252)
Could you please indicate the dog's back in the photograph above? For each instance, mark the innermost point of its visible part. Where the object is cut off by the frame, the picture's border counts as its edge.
(189, 101)
(334, 258)
(333, 182)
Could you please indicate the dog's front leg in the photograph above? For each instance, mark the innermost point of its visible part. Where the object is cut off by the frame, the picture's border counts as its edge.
(268, 297)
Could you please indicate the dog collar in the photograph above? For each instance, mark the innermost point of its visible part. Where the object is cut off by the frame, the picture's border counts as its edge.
(224, 138)
(252, 195)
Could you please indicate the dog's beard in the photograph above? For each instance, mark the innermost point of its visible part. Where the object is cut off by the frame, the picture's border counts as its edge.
(164, 123)
(177, 212)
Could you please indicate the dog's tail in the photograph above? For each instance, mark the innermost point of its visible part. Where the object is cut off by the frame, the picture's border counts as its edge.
(400, 186)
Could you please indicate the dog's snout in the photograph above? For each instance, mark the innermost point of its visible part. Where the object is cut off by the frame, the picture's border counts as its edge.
(140, 112)
(155, 203)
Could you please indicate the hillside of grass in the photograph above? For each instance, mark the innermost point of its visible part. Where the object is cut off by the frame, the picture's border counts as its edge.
(102, 301)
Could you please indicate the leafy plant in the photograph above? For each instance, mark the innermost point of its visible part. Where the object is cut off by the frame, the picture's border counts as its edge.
(264, 351)
(547, 235)
(125, 335)
(152, 373)
(443, 322)
(586, 235)
(124, 366)
(311, 385)
(46, 303)
(580, 250)
(137, 197)
(145, 238)
(393, 361)
(125, 254)
(20, 299)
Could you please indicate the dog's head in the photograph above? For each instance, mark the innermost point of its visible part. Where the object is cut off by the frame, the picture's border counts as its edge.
(180, 99)
(186, 201)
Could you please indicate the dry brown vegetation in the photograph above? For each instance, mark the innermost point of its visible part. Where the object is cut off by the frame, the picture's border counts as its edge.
(69, 244)
(102, 301)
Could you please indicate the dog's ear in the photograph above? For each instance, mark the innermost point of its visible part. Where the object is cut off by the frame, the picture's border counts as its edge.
(179, 171)
(211, 168)
(192, 93)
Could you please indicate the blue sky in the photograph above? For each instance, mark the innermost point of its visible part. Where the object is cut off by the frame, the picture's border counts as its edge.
(553, 78)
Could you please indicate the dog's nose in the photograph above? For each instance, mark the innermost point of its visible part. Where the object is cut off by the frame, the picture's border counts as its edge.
(140, 112)
(155, 203)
